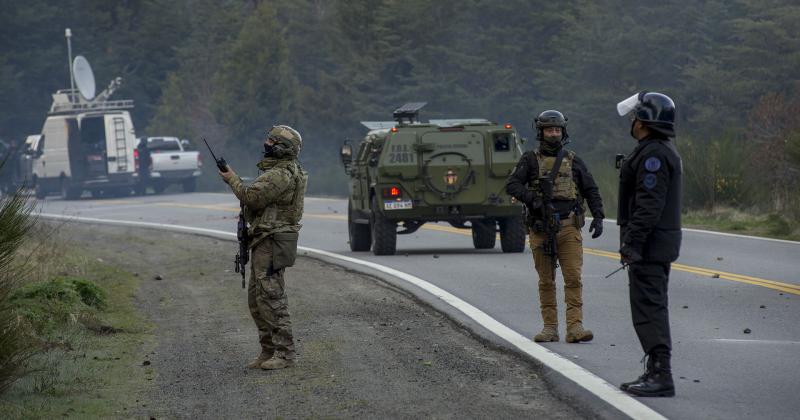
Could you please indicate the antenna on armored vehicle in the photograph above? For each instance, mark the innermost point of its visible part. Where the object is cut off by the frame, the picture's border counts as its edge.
(409, 111)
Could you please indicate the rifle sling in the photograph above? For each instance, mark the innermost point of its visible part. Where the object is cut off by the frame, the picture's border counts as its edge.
(556, 166)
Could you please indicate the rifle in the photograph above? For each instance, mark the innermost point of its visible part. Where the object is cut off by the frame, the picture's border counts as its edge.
(552, 219)
(243, 256)
(551, 223)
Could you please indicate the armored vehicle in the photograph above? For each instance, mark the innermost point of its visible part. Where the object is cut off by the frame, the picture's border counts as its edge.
(406, 173)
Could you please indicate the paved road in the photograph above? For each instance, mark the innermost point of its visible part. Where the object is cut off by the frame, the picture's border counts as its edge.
(721, 286)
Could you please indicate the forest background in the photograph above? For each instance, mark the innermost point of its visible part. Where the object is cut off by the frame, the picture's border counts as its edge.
(227, 70)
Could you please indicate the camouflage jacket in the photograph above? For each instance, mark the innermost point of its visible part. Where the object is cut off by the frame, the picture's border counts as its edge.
(274, 201)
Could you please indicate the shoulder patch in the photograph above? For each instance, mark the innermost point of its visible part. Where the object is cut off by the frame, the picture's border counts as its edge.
(650, 181)
(652, 164)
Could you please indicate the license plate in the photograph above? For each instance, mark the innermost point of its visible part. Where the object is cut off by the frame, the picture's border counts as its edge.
(397, 205)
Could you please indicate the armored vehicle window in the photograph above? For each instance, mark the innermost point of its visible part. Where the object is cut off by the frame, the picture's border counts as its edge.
(502, 142)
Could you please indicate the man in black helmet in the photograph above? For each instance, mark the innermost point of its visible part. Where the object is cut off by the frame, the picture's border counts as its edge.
(554, 181)
(650, 232)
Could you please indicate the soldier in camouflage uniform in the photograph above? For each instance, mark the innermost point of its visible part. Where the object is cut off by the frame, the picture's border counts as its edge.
(273, 206)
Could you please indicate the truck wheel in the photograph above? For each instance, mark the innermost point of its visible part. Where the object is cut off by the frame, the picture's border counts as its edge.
(512, 234)
(360, 234)
(39, 190)
(159, 187)
(384, 232)
(69, 192)
(189, 185)
(484, 234)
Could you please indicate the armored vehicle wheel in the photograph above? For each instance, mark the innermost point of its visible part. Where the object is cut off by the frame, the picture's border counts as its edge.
(512, 234)
(360, 234)
(484, 234)
(189, 185)
(68, 192)
(384, 232)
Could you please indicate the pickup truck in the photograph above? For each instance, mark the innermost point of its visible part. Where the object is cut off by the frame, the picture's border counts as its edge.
(172, 161)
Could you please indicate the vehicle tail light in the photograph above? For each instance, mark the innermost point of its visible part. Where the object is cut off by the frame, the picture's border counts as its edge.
(392, 192)
(199, 160)
(136, 160)
(508, 126)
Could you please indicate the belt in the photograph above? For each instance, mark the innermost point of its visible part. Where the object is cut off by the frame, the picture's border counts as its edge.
(571, 220)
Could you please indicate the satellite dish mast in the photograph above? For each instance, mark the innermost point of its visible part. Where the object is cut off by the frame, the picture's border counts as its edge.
(68, 34)
(84, 77)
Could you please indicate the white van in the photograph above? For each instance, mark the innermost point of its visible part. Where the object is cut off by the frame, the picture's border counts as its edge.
(79, 151)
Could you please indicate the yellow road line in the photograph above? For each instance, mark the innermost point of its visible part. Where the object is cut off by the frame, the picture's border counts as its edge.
(771, 284)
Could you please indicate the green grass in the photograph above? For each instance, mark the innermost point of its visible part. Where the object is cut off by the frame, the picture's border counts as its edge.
(92, 339)
(771, 225)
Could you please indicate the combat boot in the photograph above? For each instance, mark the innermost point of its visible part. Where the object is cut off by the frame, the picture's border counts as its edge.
(657, 381)
(547, 335)
(263, 357)
(576, 333)
(277, 362)
(648, 367)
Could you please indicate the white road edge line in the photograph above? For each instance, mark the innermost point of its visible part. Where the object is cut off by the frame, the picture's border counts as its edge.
(589, 381)
(730, 235)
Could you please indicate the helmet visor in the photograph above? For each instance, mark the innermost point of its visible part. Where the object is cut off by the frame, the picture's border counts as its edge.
(625, 107)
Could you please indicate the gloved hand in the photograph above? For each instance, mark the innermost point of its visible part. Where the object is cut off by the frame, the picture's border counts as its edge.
(596, 227)
(629, 255)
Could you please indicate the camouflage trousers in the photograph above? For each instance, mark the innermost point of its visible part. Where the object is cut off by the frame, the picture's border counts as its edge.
(570, 258)
(266, 297)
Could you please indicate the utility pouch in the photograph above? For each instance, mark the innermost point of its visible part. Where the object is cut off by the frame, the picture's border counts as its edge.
(580, 220)
(538, 226)
(284, 250)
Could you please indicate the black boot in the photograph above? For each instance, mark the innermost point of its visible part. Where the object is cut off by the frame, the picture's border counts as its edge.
(647, 368)
(657, 381)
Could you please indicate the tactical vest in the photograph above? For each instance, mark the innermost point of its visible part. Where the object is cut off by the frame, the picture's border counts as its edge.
(284, 214)
(564, 187)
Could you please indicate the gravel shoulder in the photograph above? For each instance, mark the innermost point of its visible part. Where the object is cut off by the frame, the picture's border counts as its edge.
(364, 349)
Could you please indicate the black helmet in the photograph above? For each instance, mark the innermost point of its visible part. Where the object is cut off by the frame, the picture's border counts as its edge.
(550, 118)
(655, 110)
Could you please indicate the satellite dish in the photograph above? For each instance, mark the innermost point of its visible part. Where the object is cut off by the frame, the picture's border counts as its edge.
(84, 78)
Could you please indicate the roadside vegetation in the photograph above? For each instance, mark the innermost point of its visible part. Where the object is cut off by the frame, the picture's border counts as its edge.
(71, 339)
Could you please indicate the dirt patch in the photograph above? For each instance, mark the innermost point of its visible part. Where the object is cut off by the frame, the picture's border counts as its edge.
(363, 349)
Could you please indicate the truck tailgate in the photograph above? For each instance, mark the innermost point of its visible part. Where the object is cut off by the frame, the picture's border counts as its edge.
(174, 161)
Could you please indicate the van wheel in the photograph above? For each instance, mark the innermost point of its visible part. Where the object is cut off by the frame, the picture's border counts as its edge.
(69, 192)
(384, 232)
(159, 187)
(512, 234)
(189, 185)
(484, 234)
(39, 191)
(360, 234)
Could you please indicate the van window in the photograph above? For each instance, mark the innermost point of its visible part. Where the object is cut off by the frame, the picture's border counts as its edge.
(40, 145)
(163, 144)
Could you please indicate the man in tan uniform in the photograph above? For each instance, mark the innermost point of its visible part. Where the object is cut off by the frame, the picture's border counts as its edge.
(273, 207)
(561, 196)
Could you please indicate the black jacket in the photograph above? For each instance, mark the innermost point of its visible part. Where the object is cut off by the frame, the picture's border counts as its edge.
(527, 171)
(650, 200)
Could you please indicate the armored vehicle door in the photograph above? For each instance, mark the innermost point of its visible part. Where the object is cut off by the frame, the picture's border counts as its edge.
(453, 164)
(358, 179)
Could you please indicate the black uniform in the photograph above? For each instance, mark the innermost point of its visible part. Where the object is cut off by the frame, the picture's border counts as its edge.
(650, 229)
(527, 171)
